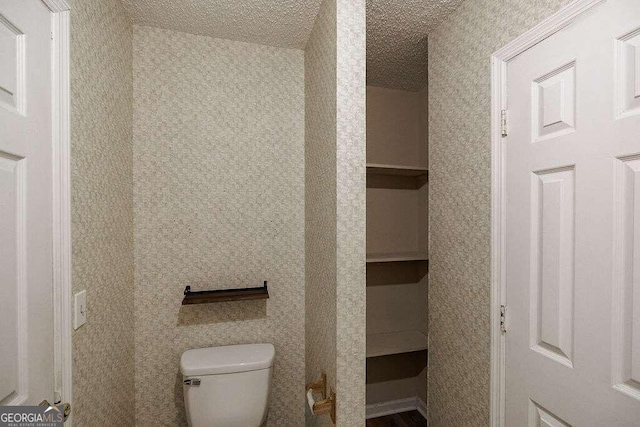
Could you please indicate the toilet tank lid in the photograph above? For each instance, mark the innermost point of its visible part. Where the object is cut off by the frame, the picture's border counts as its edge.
(227, 359)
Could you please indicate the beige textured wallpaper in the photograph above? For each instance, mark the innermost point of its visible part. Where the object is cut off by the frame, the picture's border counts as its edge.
(320, 196)
(351, 211)
(219, 202)
(102, 211)
(335, 211)
(460, 201)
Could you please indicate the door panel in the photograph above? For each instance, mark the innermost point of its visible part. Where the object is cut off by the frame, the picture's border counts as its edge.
(554, 103)
(552, 241)
(573, 162)
(540, 417)
(12, 332)
(626, 283)
(12, 65)
(26, 275)
(628, 79)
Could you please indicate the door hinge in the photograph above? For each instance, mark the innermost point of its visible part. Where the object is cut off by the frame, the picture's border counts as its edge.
(503, 315)
(503, 122)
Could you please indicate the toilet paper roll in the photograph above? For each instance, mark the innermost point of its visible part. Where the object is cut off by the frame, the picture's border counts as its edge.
(310, 400)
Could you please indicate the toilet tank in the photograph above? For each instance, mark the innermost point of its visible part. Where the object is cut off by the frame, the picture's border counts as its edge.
(227, 386)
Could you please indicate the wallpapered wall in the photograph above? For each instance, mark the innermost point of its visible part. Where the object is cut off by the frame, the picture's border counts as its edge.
(460, 201)
(320, 195)
(351, 211)
(335, 221)
(102, 211)
(219, 202)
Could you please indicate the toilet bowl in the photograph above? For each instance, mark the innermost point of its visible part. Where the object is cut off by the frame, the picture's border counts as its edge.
(227, 386)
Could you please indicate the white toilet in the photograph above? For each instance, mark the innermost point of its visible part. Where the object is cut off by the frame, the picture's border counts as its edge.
(227, 386)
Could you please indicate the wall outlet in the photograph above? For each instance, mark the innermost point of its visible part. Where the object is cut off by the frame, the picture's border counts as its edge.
(80, 309)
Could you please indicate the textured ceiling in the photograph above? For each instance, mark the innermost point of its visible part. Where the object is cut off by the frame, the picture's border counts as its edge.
(396, 29)
(396, 40)
(282, 23)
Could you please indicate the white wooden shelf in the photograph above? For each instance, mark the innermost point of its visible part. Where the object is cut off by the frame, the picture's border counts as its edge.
(399, 170)
(395, 343)
(397, 257)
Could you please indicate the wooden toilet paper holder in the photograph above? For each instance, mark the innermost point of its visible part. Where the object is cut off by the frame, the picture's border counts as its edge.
(328, 403)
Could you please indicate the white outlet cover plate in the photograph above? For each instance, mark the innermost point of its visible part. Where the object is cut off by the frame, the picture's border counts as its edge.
(80, 309)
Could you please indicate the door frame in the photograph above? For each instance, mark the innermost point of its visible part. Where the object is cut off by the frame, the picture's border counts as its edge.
(61, 180)
(499, 62)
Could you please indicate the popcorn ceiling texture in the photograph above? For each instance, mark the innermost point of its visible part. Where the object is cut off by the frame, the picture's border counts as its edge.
(460, 201)
(396, 29)
(219, 202)
(102, 211)
(397, 40)
(335, 206)
(282, 23)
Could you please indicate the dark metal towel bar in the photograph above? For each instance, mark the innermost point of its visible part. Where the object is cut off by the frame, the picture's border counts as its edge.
(242, 294)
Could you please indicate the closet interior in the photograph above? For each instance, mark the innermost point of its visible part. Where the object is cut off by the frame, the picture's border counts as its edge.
(397, 250)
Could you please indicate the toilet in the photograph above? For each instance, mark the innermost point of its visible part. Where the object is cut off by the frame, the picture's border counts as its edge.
(227, 386)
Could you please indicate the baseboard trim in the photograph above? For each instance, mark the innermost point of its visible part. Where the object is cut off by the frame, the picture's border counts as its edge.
(381, 409)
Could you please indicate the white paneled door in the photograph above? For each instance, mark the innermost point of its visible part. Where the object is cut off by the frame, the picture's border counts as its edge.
(26, 290)
(573, 224)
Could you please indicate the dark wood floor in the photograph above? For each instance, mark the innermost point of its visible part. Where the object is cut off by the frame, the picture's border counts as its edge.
(404, 419)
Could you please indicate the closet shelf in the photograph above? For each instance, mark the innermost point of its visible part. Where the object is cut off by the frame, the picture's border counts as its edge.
(398, 170)
(397, 257)
(395, 343)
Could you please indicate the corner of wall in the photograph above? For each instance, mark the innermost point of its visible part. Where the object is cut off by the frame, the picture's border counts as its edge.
(351, 210)
(102, 211)
(460, 202)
